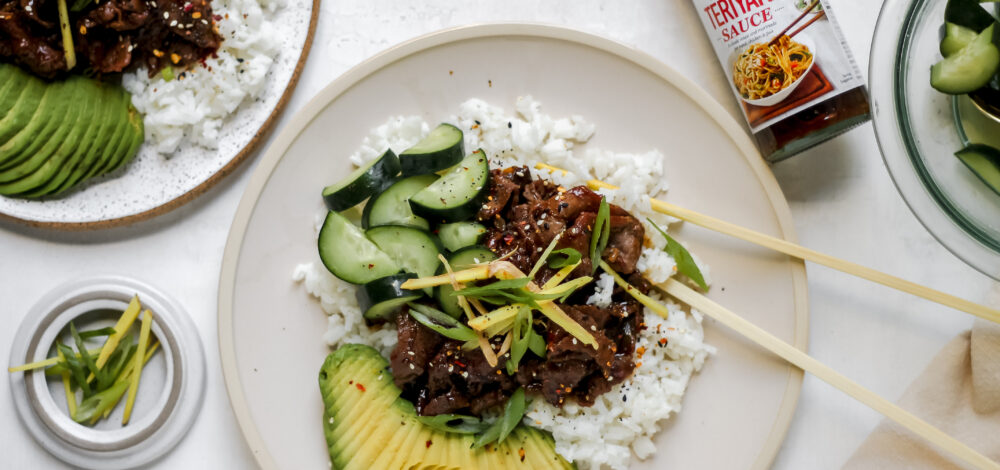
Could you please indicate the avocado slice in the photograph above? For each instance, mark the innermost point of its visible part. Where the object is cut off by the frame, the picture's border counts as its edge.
(46, 163)
(21, 155)
(120, 138)
(368, 425)
(78, 143)
(20, 114)
(100, 142)
(136, 130)
(12, 83)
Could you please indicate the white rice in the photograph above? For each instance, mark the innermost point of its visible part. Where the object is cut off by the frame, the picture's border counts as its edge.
(194, 108)
(624, 421)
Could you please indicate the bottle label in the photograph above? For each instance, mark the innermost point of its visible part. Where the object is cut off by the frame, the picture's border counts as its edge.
(776, 79)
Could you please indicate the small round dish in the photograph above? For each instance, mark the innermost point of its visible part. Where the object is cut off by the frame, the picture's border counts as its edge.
(780, 96)
(919, 130)
(169, 397)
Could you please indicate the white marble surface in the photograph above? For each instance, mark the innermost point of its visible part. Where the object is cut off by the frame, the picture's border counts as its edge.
(841, 197)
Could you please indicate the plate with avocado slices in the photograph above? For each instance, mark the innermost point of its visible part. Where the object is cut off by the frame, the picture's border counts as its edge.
(86, 144)
(379, 225)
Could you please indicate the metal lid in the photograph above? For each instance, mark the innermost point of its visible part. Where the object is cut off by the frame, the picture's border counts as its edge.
(170, 392)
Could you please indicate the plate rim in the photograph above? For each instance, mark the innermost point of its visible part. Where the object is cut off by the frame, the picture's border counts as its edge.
(244, 154)
(359, 72)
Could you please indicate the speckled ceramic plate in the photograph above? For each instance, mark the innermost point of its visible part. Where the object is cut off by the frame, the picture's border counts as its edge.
(736, 411)
(153, 184)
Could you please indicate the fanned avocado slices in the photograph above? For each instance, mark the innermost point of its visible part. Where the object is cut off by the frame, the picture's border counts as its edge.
(101, 133)
(20, 155)
(20, 114)
(369, 426)
(12, 83)
(58, 164)
(53, 136)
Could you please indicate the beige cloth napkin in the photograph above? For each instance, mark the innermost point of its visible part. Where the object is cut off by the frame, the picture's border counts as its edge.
(959, 393)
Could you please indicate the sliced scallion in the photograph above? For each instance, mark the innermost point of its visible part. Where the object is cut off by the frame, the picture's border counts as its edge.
(685, 262)
(456, 424)
(602, 232)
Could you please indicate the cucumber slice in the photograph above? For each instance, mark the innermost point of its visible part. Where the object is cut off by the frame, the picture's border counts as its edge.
(392, 207)
(458, 194)
(968, 69)
(442, 148)
(984, 161)
(363, 182)
(381, 298)
(349, 255)
(459, 260)
(413, 249)
(956, 38)
(459, 235)
(967, 13)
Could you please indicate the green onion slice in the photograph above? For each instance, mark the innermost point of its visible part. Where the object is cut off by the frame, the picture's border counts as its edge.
(601, 234)
(564, 257)
(441, 322)
(685, 263)
(456, 424)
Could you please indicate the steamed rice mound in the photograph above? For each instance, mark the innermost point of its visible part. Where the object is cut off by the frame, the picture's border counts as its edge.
(194, 107)
(624, 421)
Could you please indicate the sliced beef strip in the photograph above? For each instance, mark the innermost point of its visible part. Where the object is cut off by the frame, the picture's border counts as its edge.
(416, 346)
(624, 243)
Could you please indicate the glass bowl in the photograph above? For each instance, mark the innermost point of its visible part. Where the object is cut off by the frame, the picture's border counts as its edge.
(919, 130)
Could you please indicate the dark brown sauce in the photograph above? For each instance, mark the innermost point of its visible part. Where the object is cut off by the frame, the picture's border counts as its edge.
(814, 125)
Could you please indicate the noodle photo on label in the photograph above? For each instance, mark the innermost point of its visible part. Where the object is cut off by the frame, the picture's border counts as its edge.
(763, 70)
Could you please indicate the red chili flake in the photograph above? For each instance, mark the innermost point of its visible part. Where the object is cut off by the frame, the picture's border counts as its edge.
(459, 363)
(429, 442)
(508, 239)
(217, 18)
(640, 351)
(663, 341)
(188, 7)
(360, 387)
(370, 265)
(520, 453)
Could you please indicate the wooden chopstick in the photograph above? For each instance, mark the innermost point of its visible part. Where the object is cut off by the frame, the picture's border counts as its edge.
(811, 21)
(805, 12)
(804, 253)
(807, 363)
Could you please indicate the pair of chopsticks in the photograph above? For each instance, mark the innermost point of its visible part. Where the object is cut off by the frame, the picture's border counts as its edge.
(798, 358)
(805, 12)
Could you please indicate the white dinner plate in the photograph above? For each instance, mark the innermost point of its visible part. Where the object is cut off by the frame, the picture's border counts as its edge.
(154, 184)
(736, 411)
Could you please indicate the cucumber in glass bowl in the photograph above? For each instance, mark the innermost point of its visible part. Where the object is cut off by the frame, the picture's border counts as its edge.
(984, 161)
(970, 68)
